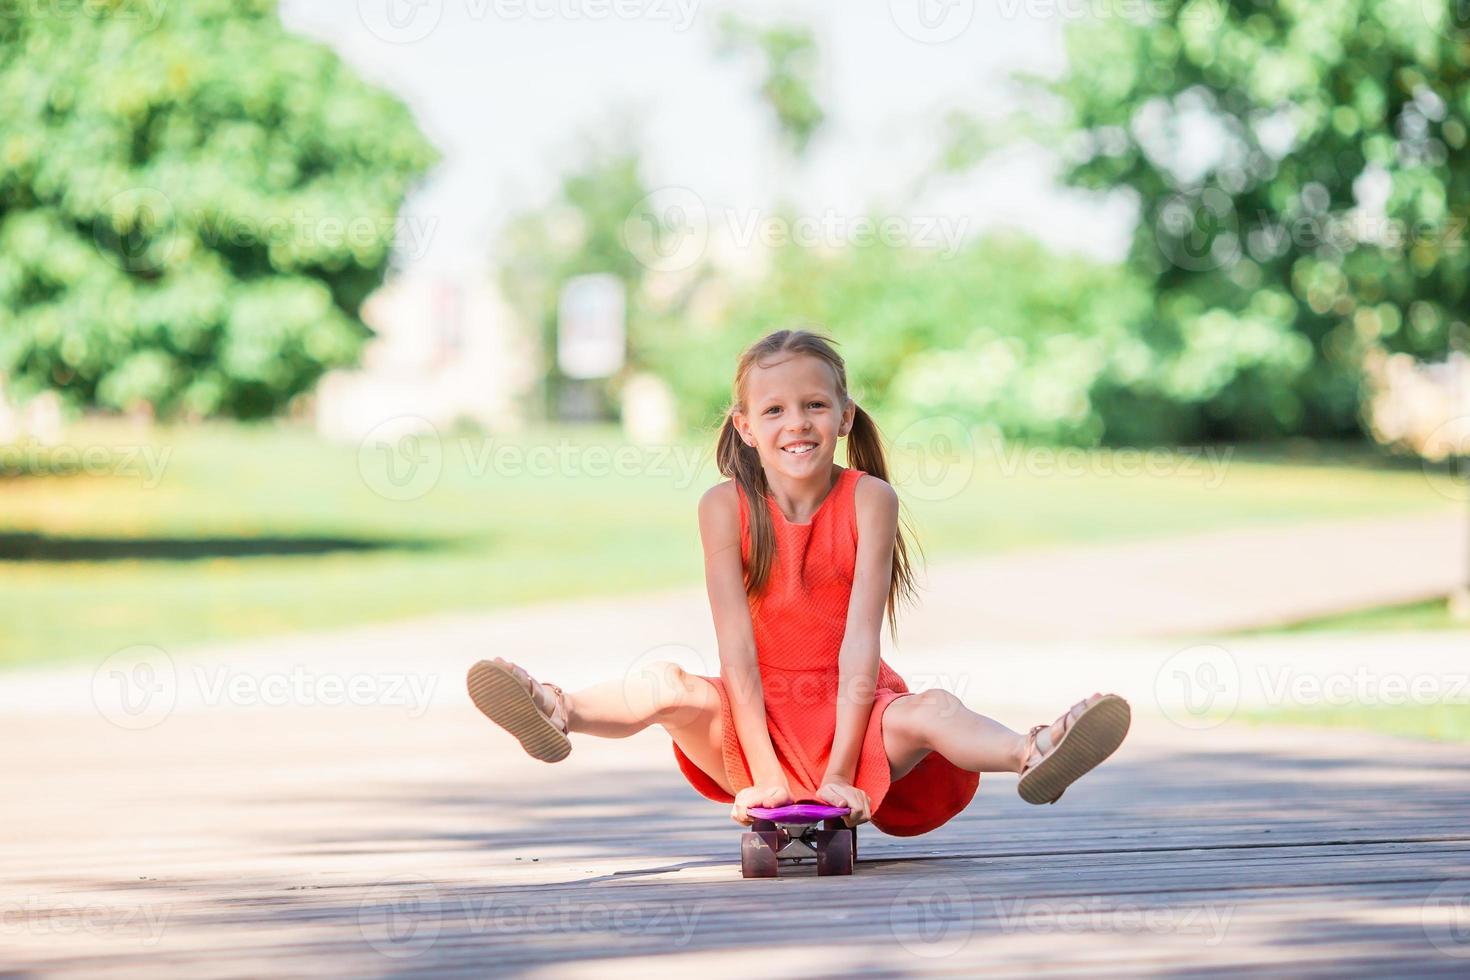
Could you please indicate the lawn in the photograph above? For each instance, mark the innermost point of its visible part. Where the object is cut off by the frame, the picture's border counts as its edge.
(174, 537)
(1432, 614)
(1449, 721)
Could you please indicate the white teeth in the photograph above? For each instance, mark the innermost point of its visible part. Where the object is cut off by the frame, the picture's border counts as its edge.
(802, 449)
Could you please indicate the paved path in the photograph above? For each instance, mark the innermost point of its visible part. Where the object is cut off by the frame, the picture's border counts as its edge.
(1202, 583)
(359, 842)
(1074, 602)
(331, 803)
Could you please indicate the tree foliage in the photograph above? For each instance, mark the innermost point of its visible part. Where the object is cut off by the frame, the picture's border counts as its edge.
(581, 231)
(789, 55)
(1001, 333)
(194, 204)
(1295, 166)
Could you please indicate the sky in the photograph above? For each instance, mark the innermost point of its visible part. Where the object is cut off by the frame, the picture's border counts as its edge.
(510, 90)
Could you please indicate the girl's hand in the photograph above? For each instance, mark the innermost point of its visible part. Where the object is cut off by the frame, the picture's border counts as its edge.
(840, 792)
(769, 794)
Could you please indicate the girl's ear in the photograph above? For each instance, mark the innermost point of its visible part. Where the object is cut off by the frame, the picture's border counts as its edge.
(848, 414)
(737, 419)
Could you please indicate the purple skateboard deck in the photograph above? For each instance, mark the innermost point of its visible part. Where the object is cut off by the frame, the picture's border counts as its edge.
(798, 812)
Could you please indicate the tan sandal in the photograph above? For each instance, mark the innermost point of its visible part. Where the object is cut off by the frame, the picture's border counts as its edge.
(499, 690)
(1090, 733)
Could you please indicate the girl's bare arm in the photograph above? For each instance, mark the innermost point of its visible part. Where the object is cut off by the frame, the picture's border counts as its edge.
(719, 530)
(876, 504)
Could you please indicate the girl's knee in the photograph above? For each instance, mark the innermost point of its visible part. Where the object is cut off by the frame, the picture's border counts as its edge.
(678, 695)
(925, 712)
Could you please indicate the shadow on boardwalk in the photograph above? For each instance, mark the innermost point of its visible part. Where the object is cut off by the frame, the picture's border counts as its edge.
(382, 849)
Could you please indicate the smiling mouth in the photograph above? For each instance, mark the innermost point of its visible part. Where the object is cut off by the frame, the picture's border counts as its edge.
(800, 448)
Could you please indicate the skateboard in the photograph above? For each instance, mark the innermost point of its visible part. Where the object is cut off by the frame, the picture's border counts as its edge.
(790, 834)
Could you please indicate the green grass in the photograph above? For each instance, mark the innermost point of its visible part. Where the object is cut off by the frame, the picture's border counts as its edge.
(255, 530)
(1448, 722)
(1432, 614)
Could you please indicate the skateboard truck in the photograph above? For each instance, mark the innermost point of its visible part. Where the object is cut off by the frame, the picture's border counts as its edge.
(791, 834)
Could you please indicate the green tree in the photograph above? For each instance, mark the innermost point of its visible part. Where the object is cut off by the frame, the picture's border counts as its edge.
(789, 56)
(1001, 333)
(1297, 171)
(194, 204)
(582, 230)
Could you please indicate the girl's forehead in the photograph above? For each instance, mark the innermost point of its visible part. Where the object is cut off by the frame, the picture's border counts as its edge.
(794, 372)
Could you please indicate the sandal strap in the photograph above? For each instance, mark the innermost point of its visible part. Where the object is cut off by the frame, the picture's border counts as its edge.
(1038, 733)
(558, 714)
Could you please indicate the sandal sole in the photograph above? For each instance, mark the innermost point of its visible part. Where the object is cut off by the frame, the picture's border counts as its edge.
(502, 699)
(1094, 736)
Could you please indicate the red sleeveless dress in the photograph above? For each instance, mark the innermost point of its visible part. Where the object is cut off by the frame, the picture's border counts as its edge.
(799, 620)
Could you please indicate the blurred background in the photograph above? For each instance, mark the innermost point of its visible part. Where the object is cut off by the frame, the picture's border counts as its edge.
(324, 315)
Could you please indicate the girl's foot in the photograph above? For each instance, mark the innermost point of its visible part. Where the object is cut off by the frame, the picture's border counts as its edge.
(1059, 754)
(533, 712)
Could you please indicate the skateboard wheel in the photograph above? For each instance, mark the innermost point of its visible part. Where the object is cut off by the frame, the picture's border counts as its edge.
(834, 851)
(839, 825)
(758, 854)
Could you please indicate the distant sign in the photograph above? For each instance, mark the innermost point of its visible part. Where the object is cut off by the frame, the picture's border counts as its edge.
(591, 334)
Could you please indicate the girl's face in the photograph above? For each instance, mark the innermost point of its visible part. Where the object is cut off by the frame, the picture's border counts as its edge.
(793, 416)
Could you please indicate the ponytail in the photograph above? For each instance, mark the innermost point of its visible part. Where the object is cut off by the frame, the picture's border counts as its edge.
(865, 453)
(741, 463)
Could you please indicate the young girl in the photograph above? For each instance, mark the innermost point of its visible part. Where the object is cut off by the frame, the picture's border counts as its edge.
(801, 559)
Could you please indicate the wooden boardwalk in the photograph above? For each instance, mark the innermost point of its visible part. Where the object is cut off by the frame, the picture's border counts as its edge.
(359, 841)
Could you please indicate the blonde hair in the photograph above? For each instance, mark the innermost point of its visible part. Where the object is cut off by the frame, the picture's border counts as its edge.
(741, 462)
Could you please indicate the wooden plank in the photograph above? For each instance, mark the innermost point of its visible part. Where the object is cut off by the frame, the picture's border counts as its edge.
(300, 842)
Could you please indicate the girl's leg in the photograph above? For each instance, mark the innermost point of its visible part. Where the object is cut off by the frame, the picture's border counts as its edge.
(936, 721)
(662, 693)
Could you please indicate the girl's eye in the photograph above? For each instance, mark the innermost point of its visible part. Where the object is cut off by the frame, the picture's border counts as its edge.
(818, 404)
